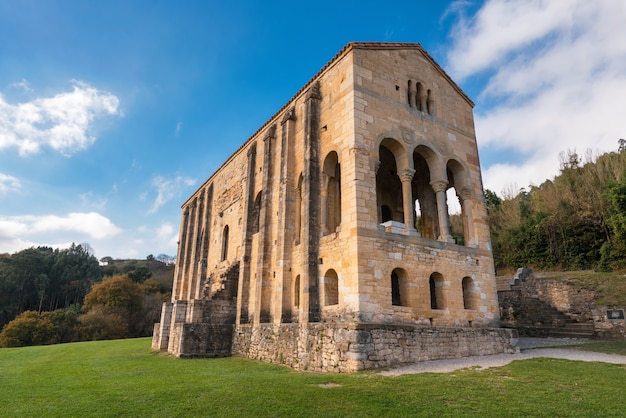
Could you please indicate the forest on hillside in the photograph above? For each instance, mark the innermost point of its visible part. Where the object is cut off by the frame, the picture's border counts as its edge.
(576, 221)
(61, 295)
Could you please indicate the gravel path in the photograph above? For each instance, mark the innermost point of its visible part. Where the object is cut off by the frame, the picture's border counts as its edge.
(531, 348)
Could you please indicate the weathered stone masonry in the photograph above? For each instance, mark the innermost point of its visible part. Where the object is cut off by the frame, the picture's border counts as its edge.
(324, 242)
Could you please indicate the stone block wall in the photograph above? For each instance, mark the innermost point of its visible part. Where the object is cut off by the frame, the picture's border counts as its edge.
(201, 340)
(527, 304)
(337, 348)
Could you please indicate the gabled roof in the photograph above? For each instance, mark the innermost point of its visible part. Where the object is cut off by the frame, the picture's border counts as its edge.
(346, 49)
(365, 45)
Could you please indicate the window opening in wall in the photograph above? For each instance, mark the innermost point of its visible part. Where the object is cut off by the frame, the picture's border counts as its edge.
(225, 243)
(395, 289)
(437, 299)
(331, 288)
(296, 292)
(470, 296)
(399, 290)
(298, 208)
(332, 195)
(388, 184)
(420, 98)
(427, 215)
(256, 214)
(433, 294)
(458, 212)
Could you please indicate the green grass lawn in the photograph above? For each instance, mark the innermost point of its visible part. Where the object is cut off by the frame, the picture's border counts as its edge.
(125, 378)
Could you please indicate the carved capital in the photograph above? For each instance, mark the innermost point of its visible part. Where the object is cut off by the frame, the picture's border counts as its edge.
(439, 185)
(377, 166)
(290, 115)
(406, 175)
(314, 92)
(465, 193)
(271, 133)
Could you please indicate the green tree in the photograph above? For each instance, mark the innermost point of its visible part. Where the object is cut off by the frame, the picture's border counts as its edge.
(28, 328)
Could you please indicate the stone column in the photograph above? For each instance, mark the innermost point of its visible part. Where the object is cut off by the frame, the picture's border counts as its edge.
(406, 177)
(285, 210)
(465, 198)
(186, 266)
(264, 277)
(243, 291)
(206, 239)
(311, 209)
(192, 271)
(440, 187)
(180, 255)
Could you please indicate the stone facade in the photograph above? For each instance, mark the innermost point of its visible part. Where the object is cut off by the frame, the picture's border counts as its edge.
(326, 236)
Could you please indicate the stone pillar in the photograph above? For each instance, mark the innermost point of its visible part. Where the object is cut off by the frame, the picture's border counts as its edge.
(180, 256)
(264, 286)
(440, 187)
(285, 209)
(311, 209)
(406, 176)
(161, 342)
(465, 198)
(243, 291)
(204, 245)
(187, 268)
(192, 275)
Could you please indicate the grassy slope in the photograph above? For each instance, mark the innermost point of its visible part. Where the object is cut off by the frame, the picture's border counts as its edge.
(125, 378)
(609, 287)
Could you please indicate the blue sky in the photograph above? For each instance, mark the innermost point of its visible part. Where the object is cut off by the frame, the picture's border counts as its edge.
(113, 112)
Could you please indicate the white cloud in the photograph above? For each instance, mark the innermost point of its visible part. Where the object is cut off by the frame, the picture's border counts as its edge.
(555, 73)
(167, 234)
(167, 189)
(8, 184)
(90, 224)
(62, 122)
(22, 85)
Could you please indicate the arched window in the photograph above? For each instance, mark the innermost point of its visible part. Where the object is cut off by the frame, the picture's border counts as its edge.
(331, 196)
(225, 243)
(430, 103)
(388, 184)
(399, 296)
(331, 288)
(420, 99)
(298, 208)
(296, 292)
(437, 294)
(426, 216)
(470, 294)
(255, 222)
(459, 204)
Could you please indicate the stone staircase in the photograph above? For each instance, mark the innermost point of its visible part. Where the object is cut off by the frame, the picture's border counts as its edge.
(542, 320)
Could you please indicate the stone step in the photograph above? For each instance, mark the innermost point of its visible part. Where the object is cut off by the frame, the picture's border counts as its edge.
(561, 333)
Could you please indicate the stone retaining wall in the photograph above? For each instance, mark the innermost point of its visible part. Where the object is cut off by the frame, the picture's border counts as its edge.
(519, 306)
(327, 347)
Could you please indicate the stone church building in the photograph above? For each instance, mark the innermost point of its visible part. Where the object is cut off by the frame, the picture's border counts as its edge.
(324, 242)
